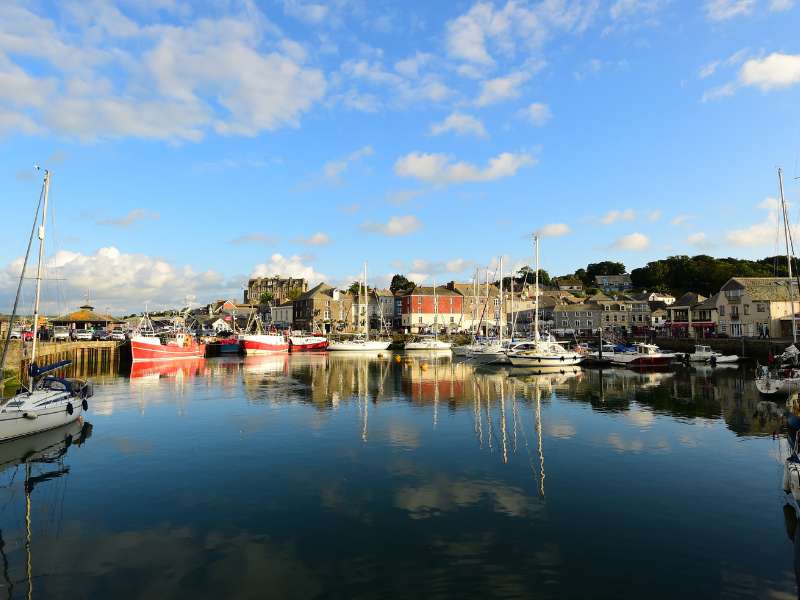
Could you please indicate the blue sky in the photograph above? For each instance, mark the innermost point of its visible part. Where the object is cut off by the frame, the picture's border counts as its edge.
(194, 144)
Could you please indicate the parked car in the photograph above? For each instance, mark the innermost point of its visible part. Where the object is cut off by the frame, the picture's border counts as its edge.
(101, 335)
(60, 333)
(118, 335)
(16, 334)
(84, 335)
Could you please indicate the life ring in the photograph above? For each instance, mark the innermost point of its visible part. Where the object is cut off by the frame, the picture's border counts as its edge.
(70, 408)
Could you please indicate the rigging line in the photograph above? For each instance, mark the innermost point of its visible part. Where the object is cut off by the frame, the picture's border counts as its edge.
(19, 288)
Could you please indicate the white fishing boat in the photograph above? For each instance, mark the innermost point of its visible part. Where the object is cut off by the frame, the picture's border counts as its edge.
(707, 355)
(360, 343)
(539, 351)
(43, 402)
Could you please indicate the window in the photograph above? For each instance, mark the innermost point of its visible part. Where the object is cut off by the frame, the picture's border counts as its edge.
(722, 310)
(747, 309)
(606, 307)
(615, 318)
(607, 318)
(577, 324)
(760, 308)
(327, 314)
(734, 312)
(420, 319)
(589, 324)
(452, 319)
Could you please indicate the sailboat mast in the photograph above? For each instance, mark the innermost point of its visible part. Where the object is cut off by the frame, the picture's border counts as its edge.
(500, 317)
(39, 267)
(435, 313)
(536, 290)
(788, 255)
(366, 309)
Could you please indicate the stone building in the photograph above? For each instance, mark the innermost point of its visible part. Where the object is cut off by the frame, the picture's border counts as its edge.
(324, 308)
(279, 288)
(749, 306)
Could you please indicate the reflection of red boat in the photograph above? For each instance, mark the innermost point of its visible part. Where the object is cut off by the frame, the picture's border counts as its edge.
(167, 368)
(178, 346)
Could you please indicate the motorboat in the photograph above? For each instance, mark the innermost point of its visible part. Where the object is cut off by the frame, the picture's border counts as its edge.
(706, 354)
(646, 355)
(543, 353)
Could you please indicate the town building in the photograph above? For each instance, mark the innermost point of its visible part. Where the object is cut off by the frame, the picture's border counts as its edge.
(419, 312)
(324, 308)
(382, 309)
(275, 289)
(660, 297)
(84, 318)
(754, 306)
(613, 283)
(480, 308)
(680, 314)
(282, 315)
(577, 319)
(569, 284)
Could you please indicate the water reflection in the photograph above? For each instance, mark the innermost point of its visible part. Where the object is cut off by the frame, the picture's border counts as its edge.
(334, 475)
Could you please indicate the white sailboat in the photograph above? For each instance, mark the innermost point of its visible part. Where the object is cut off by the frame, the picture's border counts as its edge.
(360, 344)
(45, 402)
(494, 351)
(431, 343)
(542, 352)
(783, 379)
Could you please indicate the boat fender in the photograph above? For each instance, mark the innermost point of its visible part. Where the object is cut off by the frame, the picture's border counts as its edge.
(70, 408)
(713, 361)
(562, 359)
(85, 405)
(30, 415)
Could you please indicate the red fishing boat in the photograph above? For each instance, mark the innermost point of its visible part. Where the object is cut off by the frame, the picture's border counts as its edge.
(264, 343)
(305, 343)
(167, 347)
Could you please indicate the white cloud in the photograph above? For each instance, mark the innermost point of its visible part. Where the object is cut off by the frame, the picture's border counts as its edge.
(722, 91)
(350, 209)
(439, 168)
(316, 239)
(633, 241)
(287, 266)
(255, 238)
(698, 240)
(395, 226)
(134, 216)
(654, 215)
(501, 88)
(613, 216)
(411, 66)
(403, 196)
(780, 5)
(622, 9)
(758, 234)
(306, 11)
(425, 268)
(681, 220)
(708, 70)
(459, 123)
(553, 230)
(333, 169)
(721, 10)
(773, 72)
(484, 28)
(120, 281)
(537, 113)
(111, 77)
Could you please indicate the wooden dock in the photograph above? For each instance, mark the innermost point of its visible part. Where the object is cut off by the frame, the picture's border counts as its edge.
(86, 356)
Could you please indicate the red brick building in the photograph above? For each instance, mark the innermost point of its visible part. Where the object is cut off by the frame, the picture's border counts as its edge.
(418, 309)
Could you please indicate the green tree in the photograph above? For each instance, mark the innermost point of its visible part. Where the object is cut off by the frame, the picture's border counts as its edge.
(266, 298)
(606, 267)
(400, 283)
(355, 288)
(294, 294)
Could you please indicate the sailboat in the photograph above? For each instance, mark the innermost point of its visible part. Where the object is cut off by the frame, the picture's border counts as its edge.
(493, 351)
(429, 343)
(544, 353)
(784, 377)
(44, 402)
(360, 343)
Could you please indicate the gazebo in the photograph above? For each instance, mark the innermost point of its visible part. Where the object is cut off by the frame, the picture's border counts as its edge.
(84, 318)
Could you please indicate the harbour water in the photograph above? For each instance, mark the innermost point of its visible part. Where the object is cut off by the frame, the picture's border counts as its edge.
(342, 476)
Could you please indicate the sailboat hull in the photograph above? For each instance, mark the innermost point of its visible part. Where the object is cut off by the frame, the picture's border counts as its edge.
(356, 346)
(26, 415)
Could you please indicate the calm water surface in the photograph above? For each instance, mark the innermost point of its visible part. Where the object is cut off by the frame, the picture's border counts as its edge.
(362, 477)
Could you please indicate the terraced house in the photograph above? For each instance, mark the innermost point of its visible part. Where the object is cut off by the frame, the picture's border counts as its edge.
(752, 306)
